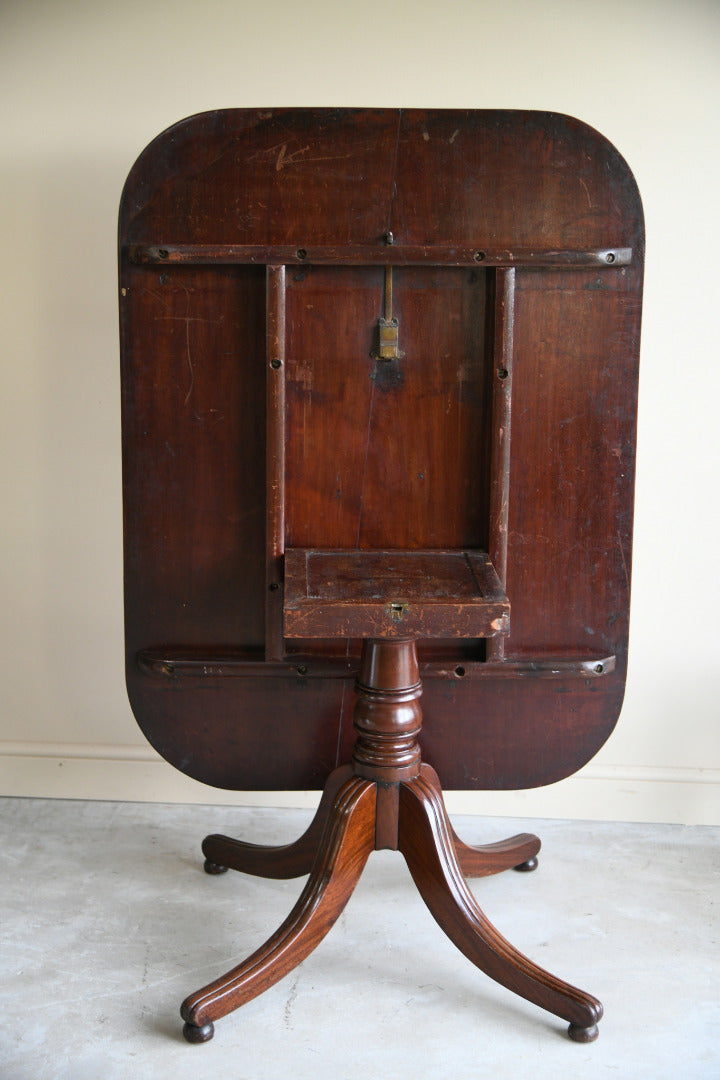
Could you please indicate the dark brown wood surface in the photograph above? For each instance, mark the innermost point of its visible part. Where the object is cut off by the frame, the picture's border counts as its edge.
(380, 593)
(257, 415)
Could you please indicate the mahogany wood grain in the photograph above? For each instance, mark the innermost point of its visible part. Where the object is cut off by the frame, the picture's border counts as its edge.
(587, 400)
(189, 663)
(515, 853)
(216, 214)
(387, 716)
(348, 840)
(224, 853)
(428, 175)
(504, 319)
(359, 475)
(425, 839)
(284, 861)
(375, 594)
(369, 254)
(275, 461)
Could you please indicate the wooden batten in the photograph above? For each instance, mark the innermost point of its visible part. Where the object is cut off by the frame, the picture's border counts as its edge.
(275, 461)
(504, 315)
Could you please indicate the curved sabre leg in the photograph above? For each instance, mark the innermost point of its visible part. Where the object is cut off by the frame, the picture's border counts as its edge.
(285, 861)
(516, 853)
(348, 839)
(426, 842)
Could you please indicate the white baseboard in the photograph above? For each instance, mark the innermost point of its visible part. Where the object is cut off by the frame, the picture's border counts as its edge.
(686, 796)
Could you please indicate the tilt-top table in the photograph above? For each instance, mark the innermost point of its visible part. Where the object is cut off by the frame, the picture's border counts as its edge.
(379, 375)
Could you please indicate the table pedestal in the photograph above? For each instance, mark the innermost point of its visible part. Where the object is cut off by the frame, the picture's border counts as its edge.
(387, 798)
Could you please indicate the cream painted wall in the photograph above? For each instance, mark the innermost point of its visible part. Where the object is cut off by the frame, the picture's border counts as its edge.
(85, 86)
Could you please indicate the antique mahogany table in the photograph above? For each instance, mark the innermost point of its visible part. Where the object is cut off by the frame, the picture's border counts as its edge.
(379, 374)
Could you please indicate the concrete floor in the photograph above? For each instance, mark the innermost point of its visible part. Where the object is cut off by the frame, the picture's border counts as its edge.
(108, 921)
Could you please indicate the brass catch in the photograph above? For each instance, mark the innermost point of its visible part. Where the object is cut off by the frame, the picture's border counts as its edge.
(388, 339)
(387, 345)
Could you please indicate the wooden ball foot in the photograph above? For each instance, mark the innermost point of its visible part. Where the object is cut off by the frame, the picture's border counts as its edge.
(213, 867)
(527, 866)
(583, 1034)
(195, 1034)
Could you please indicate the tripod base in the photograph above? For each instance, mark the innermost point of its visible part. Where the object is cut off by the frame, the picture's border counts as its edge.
(352, 814)
(387, 799)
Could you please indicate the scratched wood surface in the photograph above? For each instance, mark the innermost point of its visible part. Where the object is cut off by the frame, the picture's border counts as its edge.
(392, 594)
(377, 454)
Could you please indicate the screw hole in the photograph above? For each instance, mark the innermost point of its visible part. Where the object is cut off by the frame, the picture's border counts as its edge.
(460, 671)
(503, 373)
(273, 586)
(610, 257)
(275, 363)
(163, 253)
(599, 669)
(301, 253)
(302, 669)
(479, 256)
